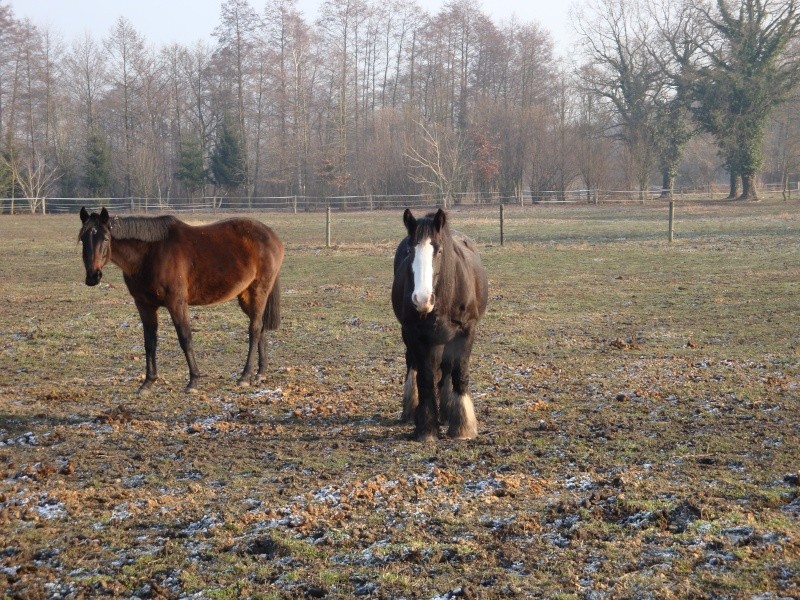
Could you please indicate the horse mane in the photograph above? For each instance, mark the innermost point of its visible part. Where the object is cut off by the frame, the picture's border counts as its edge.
(145, 229)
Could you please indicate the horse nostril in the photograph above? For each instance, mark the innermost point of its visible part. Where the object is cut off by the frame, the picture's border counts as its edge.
(94, 278)
(422, 301)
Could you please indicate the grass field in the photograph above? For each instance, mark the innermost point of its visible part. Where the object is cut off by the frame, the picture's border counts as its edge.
(638, 406)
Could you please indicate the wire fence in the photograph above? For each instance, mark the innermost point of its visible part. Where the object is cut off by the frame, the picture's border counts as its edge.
(355, 211)
(212, 204)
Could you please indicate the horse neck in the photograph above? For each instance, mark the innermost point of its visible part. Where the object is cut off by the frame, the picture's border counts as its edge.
(127, 254)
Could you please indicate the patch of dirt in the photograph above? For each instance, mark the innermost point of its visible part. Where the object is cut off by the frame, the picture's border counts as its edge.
(614, 458)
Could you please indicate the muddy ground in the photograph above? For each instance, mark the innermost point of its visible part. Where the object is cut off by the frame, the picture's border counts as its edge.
(638, 407)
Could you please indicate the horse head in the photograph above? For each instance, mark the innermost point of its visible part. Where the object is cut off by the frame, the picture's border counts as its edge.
(95, 235)
(426, 241)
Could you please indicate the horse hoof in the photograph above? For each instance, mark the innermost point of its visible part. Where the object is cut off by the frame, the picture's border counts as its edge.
(190, 389)
(425, 437)
(466, 431)
(458, 437)
(244, 383)
(145, 391)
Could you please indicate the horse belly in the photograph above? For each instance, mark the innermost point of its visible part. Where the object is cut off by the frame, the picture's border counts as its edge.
(215, 287)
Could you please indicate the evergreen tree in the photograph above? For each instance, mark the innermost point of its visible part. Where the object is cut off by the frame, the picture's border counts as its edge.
(191, 171)
(98, 165)
(5, 175)
(6, 181)
(227, 158)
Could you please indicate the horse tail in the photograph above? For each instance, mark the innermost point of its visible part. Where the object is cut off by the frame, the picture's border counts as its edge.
(272, 313)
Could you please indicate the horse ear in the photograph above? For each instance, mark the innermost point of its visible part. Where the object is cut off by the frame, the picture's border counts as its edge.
(104, 216)
(439, 220)
(84, 214)
(409, 221)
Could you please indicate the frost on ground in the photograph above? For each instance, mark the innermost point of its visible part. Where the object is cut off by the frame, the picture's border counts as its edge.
(637, 404)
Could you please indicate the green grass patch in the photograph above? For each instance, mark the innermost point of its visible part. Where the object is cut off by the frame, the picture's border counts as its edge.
(637, 404)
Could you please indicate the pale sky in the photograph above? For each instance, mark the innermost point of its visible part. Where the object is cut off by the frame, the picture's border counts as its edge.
(187, 21)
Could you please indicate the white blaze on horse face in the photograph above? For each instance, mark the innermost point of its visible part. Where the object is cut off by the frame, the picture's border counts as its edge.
(422, 267)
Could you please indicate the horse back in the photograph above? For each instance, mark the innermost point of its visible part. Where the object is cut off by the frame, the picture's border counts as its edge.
(220, 260)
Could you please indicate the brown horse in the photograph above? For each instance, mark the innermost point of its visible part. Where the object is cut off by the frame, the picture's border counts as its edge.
(439, 294)
(166, 262)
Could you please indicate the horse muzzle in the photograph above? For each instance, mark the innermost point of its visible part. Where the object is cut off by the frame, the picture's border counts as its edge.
(423, 302)
(94, 278)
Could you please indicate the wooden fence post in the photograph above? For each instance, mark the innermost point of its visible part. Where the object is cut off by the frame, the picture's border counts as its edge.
(328, 226)
(671, 219)
(502, 223)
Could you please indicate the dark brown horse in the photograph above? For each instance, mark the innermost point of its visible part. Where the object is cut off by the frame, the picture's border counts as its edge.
(439, 294)
(166, 262)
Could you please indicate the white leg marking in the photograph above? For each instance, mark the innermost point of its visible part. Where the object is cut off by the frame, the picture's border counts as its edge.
(410, 396)
(463, 424)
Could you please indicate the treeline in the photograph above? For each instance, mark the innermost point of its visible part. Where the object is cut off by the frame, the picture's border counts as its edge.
(386, 98)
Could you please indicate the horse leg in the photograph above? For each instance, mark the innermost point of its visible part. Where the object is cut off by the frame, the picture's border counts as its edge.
(463, 424)
(426, 418)
(410, 396)
(262, 356)
(446, 387)
(179, 311)
(270, 321)
(149, 316)
(253, 303)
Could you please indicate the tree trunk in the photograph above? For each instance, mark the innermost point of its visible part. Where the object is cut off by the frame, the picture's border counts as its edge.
(785, 187)
(734, 189)
(667, 184)
(749, 191)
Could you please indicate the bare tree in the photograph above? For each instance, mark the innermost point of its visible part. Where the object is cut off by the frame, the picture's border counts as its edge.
(340, 24)
(438, 161)
(290, 55)
(380, 98)
(614, 39)
(86, 82)
(593, 147)
(9, 69)
(783, 144)
(125, 46)
(237, 38)
(34, 178)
